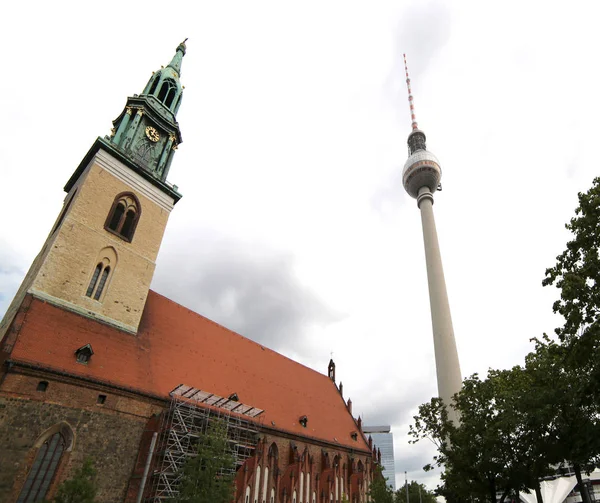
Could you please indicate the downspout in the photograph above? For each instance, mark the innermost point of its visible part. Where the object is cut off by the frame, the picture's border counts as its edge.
(146, 468)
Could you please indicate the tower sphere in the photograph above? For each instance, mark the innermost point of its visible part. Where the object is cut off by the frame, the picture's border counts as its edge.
(421, 169)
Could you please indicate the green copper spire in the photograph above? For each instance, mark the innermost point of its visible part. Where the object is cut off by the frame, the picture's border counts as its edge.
(147, 131)
(179, 54)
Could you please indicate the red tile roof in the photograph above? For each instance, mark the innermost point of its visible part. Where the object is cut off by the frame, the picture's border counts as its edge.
(175, 345)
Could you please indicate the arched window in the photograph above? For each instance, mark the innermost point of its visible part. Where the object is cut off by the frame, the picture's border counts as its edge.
(178, 102)
(102, 283)
(154, 84)
(256, 483)
(167, 92)
(247, 499)
(94, 280)
(107, 261)
(272, 496)
(96, 288)
(51, 446)
(124, 216)
(265, 485)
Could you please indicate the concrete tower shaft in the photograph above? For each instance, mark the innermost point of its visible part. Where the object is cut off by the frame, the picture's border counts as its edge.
(421, 177)
(449, 378)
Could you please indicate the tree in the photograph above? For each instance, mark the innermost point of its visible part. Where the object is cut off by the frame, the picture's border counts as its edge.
(379, 490)
(208, 477)
(575, 362)
(499, 445)
(577, 271)
(79, 489)
(417, 493)
(564, 406)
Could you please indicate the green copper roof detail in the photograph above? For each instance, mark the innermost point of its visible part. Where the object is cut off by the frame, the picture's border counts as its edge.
(179, 54)
(147, 132)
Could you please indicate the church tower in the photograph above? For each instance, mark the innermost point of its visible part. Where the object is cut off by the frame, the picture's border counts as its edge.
(100, 255)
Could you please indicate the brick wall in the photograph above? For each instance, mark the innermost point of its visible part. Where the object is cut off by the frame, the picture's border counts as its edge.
(108, 433)
(302, 467)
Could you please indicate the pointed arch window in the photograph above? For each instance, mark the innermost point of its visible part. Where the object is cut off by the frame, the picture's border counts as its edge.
(154, 84)
(124, 215)
(167, 92)
(107, 260)
(42, 471)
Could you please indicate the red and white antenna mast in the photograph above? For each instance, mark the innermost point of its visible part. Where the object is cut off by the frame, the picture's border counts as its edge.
(413, 118)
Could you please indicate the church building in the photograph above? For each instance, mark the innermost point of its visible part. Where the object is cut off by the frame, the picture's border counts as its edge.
(95, 365)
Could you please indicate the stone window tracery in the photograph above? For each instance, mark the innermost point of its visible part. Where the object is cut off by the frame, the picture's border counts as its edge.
(124, 215)
(167, 92)
(105, 265)
(50, 448)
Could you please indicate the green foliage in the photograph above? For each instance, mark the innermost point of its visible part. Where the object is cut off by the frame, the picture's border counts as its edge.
(79, 489)
(207, 477)
(417, 493)
(379, 491)
(577, 271)
(516, 424)
(574, 363)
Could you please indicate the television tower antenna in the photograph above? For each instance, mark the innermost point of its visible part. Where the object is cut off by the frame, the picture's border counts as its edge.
(421, 178)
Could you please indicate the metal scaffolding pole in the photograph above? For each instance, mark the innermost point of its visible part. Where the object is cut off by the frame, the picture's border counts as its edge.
(183, 424)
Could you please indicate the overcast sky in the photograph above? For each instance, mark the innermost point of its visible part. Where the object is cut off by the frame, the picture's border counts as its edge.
(294, 228)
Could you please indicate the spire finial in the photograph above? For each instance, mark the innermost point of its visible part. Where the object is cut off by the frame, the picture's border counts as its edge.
(410, 98)
(179, 54)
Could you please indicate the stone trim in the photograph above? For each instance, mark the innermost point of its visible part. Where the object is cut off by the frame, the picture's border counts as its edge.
(122, 172)
(55, 301)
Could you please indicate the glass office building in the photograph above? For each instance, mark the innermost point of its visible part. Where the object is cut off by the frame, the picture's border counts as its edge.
(383, 439)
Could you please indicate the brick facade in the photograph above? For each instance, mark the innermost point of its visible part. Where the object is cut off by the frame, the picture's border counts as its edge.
(115, 434)
(108, 433)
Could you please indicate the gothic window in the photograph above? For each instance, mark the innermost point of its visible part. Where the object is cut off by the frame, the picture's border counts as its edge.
(42, 471)
(94, 280)
(123, 216)
(154, 84)
(265, 485)
(167, 92)
(96, 288)
(256, 483)
(107, 260)
(178, 103)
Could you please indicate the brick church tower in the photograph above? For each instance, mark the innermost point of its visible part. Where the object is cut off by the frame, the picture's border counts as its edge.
(100, 256)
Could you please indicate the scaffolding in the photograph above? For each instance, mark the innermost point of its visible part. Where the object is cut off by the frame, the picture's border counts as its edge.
(190, 413)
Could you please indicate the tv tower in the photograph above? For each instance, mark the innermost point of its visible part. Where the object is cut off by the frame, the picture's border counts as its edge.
(421, 178)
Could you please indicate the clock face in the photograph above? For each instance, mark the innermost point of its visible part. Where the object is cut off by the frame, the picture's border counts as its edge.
(152, 134)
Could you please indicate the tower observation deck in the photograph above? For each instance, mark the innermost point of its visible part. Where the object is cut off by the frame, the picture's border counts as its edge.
(421, 178)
